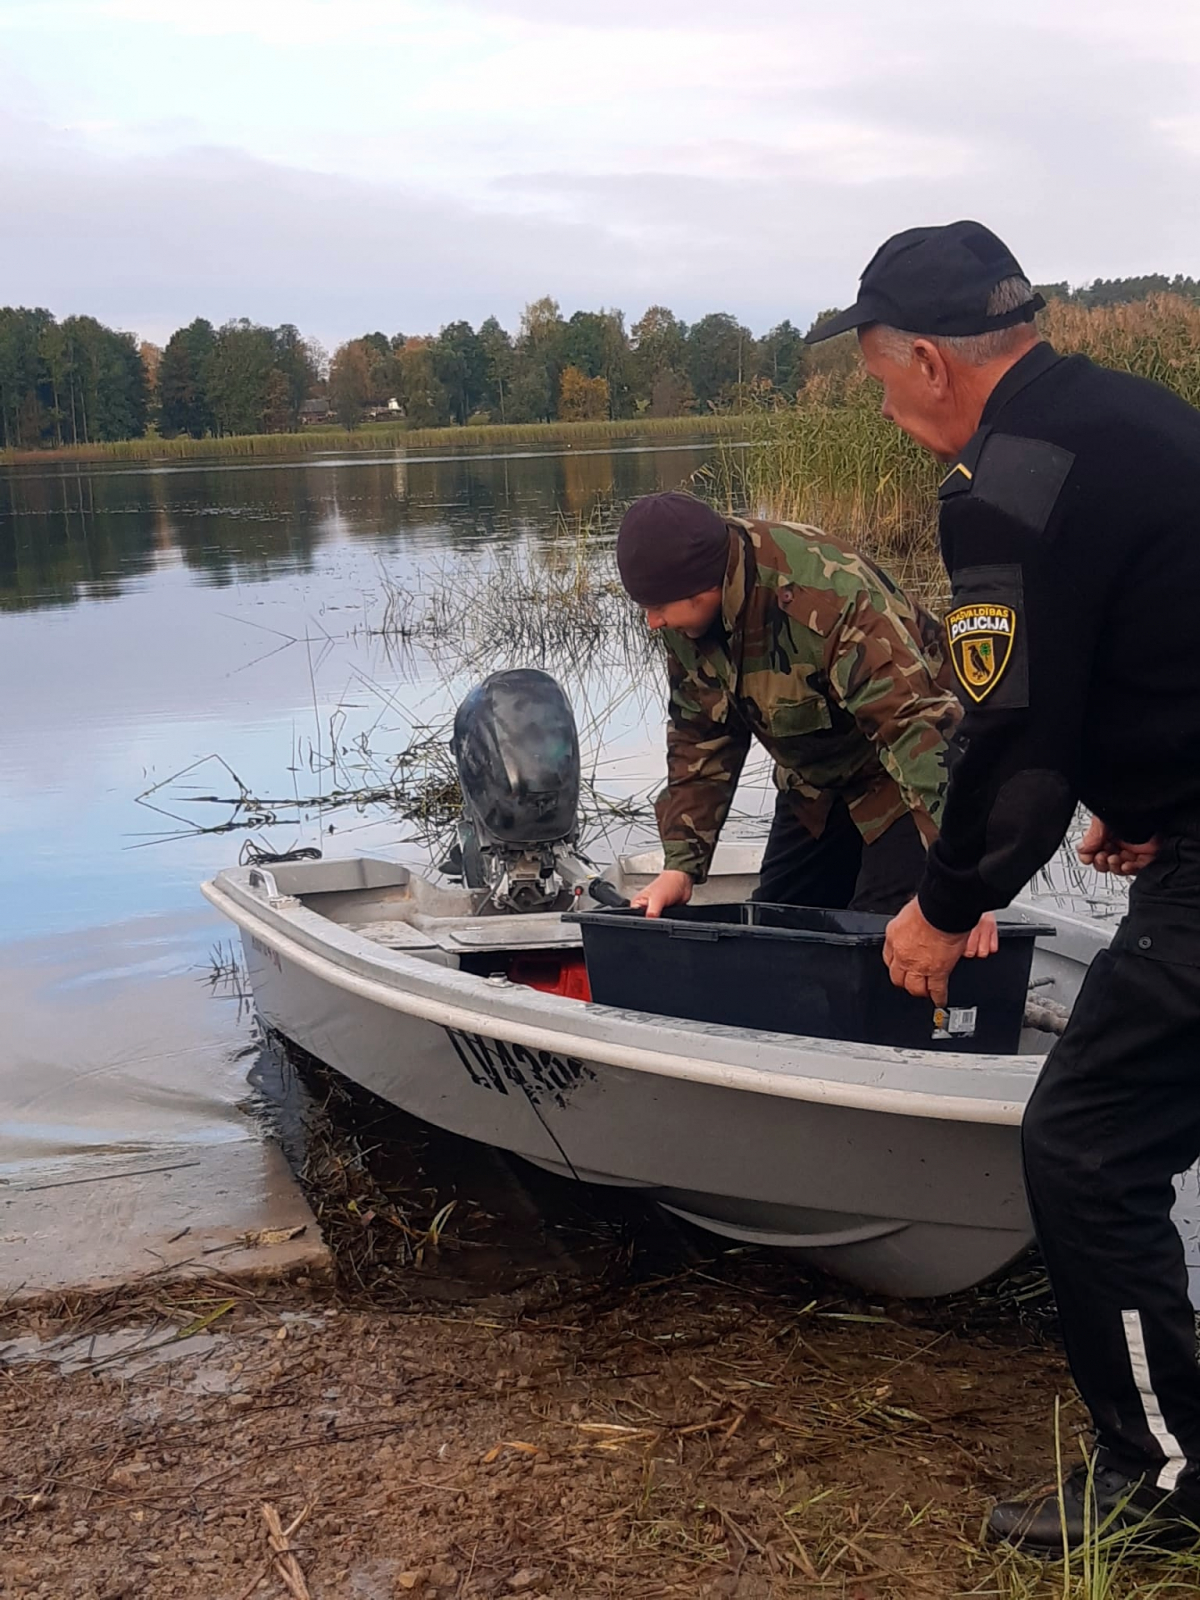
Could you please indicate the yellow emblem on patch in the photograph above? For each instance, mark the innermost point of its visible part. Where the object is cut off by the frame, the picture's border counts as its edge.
(981, 641)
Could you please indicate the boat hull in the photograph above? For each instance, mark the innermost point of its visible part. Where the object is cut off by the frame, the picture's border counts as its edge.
(906, 1205)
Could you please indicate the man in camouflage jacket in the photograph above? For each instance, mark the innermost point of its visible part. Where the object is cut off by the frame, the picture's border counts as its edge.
(781, 633)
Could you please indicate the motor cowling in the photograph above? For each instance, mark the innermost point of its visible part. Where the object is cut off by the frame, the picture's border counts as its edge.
(516, 749)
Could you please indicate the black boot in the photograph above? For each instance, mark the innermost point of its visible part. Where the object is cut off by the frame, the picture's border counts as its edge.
(1046, 1525)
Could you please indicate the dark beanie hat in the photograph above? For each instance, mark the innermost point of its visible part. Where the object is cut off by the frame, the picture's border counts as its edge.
(670, 547)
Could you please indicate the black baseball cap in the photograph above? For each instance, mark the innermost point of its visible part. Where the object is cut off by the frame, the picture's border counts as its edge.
(934, 281)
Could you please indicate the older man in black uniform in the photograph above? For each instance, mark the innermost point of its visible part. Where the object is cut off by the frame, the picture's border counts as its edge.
(1070, 525)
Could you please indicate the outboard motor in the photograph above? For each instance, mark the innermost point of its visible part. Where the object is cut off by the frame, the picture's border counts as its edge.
(517, 753)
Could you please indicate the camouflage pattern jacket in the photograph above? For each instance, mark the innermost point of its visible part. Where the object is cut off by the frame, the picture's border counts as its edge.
(832, 668)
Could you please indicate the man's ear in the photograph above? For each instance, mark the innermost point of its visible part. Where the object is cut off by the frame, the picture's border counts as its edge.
(931, 363)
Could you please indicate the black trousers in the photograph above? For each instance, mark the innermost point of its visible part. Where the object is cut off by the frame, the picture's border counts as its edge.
(838, 871)
(1115, 1114)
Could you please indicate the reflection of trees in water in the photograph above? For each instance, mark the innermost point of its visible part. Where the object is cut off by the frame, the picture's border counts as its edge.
(62, 541)
(71, 536)
(586, 479)
(77, 533)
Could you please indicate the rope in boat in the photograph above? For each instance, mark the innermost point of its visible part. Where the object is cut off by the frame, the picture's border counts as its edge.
(253, 855)
(1047, 1015)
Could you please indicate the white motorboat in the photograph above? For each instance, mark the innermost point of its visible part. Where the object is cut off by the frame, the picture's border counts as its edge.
(897, 1169)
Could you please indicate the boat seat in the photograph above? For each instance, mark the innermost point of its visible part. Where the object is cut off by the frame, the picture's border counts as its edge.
(459, 933)
(394, 934)
(513, 933)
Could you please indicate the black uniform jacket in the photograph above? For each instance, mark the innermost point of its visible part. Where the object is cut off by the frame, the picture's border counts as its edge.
(1070, 527)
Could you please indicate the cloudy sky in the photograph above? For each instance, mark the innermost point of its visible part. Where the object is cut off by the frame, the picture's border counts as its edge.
(353, 164)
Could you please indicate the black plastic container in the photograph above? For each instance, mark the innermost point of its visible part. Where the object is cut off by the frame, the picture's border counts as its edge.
(798, 969)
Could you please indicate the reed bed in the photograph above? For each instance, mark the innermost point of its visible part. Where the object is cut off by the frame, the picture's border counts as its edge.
(1158, 338)
(834, 461)
(385, 436)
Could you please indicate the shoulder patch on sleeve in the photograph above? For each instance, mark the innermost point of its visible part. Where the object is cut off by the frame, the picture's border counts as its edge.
(985, 634)
(1021, 477)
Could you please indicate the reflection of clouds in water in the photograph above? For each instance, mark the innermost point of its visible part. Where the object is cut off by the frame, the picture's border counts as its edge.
(154, 618)
(114, 1046)
(238, 607)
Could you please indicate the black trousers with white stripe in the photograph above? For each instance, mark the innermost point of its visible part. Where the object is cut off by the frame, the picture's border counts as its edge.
(1115, 1114)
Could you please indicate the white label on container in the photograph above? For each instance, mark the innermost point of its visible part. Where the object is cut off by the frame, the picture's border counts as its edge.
(956, 1023)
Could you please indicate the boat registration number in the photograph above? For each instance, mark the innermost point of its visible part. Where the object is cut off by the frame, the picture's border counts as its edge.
(502, 1067)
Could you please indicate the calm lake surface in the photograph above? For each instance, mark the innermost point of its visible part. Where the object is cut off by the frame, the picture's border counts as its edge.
(175, 625)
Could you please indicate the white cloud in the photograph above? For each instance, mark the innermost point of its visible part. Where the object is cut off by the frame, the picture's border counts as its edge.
(402, 162)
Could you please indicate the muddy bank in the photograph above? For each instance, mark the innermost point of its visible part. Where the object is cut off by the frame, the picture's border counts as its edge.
(514, 1386)
(708, 1435)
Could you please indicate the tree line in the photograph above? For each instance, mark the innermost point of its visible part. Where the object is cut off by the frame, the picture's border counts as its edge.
(1121, 291)
(69, 382)
(579, 368)
(79, 382)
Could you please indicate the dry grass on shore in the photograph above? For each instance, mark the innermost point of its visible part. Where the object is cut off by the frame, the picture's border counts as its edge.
(685, 1439)
(375, 436)
(722, 1431)
(834, 461)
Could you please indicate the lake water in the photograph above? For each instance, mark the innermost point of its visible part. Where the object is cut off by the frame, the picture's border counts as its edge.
(173, 626)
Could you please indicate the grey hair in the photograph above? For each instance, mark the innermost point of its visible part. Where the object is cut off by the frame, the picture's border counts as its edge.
(976, 349)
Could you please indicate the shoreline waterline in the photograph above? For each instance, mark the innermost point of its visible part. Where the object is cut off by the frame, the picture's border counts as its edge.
(374, 439)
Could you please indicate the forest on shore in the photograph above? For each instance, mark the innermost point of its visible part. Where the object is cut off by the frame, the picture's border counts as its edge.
(78, 383)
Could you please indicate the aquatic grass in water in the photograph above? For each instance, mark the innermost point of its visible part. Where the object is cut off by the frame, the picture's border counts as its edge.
(557, 605)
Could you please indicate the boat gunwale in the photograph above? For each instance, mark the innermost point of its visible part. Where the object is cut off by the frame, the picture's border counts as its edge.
(282, 926)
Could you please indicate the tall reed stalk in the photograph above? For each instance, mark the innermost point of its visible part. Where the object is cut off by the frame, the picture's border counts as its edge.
(833, 461)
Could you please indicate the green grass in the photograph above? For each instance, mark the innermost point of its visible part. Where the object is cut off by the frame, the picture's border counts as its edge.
(383, 436)
(1122, 1564)
(1112, 1563)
